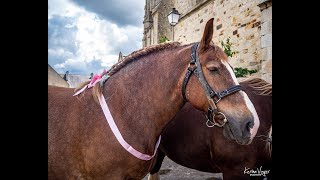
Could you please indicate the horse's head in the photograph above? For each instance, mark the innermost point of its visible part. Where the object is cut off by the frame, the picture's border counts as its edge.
(215, 89)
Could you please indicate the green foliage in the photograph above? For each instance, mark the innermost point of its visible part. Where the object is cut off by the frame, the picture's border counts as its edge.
(227, 48)
(243, 72)
(163, 39)
(239, 71)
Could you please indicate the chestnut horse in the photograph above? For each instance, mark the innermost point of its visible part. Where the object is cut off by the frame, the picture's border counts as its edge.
(189, 142)
(143, 93)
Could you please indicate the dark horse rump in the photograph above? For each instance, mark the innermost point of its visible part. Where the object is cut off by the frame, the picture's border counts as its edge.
(189, 142)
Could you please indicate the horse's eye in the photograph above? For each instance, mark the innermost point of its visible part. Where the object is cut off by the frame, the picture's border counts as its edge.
(213, 69)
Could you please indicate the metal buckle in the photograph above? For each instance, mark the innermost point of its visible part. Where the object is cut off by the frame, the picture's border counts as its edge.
(218, 96)
(192, 64)
(213, 94)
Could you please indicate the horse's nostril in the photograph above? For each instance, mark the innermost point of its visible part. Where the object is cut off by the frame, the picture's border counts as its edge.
(249, 124)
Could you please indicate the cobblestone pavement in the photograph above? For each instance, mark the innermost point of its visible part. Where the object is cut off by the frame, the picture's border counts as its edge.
(173, 171)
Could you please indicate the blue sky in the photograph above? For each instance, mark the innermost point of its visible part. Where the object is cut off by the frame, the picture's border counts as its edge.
(87, 36)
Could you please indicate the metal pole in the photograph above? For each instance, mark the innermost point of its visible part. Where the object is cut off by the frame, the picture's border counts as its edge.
(172, 33)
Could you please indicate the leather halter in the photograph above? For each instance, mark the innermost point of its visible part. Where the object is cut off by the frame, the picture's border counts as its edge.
(213, 97)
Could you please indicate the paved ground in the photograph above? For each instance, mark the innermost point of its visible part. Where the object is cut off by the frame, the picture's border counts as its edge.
(172, 171)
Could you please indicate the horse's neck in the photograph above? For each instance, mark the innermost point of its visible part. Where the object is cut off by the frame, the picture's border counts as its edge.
(145, 95)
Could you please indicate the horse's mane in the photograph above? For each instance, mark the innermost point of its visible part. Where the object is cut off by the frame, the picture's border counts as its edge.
(131, 57)
(150, 49)
(260, 86)
(269, 145)
(97, 89)
(139, 53)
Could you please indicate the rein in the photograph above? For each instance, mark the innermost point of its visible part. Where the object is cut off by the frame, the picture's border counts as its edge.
(213, 97)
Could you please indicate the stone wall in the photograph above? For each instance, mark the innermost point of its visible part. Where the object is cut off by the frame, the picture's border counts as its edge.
(248, 24)
(156, 11)
(194, 16)
(55, 79)
(241, 21)
(161, 25)
(266, 40)
(74, 80)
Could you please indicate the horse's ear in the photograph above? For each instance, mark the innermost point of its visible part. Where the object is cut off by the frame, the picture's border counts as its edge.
(207, 36)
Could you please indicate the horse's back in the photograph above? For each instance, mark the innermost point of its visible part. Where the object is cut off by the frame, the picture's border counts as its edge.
(61, 132)
(59, 98)
(60, 101)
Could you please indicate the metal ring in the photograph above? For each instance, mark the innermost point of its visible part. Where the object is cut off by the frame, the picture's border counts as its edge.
(213, 124)
(193, 64)
(224, 120)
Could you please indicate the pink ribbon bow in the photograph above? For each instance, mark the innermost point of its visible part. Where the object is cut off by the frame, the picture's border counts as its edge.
(96, 78)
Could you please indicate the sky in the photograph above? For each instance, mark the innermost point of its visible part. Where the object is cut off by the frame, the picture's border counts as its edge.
(87, 36)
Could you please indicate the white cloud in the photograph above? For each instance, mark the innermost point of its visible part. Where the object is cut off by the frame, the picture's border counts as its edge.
(63, 8)
(82, 42)
(81, 66)
(105, 60)
(70, 62)
(59, 52)
(123, 12)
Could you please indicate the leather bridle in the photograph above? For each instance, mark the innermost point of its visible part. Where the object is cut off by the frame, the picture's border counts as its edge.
(213, 97)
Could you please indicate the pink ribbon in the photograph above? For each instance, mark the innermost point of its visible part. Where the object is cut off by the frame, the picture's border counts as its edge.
(96, 78)
(118, 135)
(113, 125)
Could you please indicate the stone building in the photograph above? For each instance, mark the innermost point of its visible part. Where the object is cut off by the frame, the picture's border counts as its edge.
(55, 79)
(65, 80)
(248, 24)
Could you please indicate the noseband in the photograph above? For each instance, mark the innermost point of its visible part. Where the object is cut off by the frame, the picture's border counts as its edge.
(213, 97)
